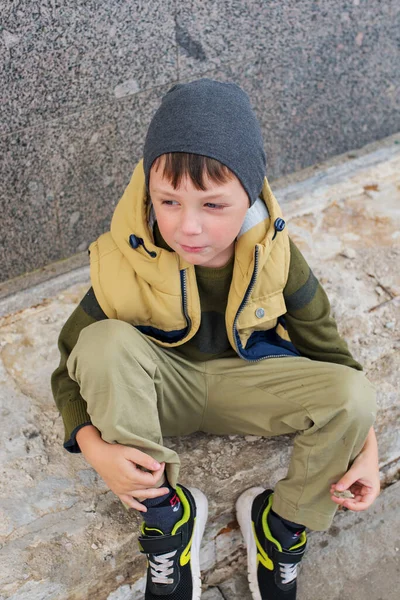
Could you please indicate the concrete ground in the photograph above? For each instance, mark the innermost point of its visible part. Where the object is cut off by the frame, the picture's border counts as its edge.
(64, 536)
(358, 558)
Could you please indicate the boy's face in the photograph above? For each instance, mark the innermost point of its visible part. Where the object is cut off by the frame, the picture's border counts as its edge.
(200, 226)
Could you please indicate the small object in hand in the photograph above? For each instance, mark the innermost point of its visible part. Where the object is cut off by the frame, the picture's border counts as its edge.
(345, 494)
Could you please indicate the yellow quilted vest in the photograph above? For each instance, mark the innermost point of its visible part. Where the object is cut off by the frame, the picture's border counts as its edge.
(160, 291)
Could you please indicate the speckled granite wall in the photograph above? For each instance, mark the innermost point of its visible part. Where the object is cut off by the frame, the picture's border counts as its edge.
(81, 80)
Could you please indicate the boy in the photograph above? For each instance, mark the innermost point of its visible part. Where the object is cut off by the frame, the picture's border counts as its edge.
(203, 315)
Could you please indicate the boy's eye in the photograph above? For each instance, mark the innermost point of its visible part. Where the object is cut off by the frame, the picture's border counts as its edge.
(211, 205)
(214, 206)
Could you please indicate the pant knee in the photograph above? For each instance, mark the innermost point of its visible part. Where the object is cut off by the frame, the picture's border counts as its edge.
(101, 345)
(356, 396)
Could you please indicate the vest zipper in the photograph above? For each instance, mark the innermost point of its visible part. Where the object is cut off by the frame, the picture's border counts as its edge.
(241, 307)
(184, 298)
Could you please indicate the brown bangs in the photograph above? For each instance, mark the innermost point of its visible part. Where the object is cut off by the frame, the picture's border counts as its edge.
(178, 165)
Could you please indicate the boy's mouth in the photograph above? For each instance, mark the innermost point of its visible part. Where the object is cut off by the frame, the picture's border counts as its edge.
(192, 248)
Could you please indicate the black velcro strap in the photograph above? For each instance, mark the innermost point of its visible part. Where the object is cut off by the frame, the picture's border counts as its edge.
(288, 558)
(160, 544)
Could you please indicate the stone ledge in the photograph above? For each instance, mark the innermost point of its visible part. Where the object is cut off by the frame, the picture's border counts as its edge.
(342, 563)
(60, 527)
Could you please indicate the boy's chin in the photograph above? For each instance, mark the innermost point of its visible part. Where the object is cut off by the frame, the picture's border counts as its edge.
(195, 259)
(213, 262)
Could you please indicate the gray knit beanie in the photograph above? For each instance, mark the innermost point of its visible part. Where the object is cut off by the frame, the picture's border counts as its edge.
(213, 119)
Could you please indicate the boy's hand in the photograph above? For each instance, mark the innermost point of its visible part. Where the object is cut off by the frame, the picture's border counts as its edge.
(119, 466)
(362, 479)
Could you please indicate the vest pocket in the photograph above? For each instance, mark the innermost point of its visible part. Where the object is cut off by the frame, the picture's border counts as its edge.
(260, 314)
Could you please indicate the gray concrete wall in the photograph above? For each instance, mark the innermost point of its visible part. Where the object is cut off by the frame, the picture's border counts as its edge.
(81, 80)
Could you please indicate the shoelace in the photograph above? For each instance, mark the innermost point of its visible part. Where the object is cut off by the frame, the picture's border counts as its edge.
(288, 572)
(159, 572)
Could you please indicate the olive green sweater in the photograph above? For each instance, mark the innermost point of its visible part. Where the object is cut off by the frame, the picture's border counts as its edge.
(309, 324)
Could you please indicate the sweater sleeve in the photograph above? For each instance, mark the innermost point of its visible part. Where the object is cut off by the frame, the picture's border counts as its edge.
(66, 393)
(309, 324)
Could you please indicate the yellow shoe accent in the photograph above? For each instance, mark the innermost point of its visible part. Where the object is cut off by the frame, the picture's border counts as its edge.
(268, 534)
(302, 541)
(150, 529)
(186, 510)
(262, 556)
(265, 526)
(267, 564)
(185, 556)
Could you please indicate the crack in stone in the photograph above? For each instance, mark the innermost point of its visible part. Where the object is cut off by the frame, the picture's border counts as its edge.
(222, 593)
(192, 48)
(13, 536)
(394, 299)
(10, 376)
(394, 477)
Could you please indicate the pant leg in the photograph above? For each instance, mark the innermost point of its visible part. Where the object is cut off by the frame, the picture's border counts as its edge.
(136, 391)
(331, 408)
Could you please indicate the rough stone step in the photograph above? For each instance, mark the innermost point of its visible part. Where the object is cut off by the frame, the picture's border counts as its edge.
(358, 558)
(212, 594)
(63, 535)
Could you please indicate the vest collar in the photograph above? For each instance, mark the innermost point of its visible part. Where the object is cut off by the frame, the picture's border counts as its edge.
(133, 216)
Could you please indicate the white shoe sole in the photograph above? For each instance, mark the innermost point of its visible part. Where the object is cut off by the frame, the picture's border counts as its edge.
(243, 511)
(200, 524)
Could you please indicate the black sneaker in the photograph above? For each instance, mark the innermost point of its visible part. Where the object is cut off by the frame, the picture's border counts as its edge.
(272, 571)
(173, 561)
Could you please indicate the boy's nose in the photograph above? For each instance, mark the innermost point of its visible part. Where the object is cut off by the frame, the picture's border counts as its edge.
(190, 225)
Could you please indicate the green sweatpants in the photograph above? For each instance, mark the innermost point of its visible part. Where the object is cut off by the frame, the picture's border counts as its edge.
(137, 392)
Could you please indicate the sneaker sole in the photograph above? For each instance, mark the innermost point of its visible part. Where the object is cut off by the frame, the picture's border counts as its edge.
(200, 524)
(243, 511)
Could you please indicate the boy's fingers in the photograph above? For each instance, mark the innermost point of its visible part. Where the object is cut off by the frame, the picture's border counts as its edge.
(145, 479)
(360, 502)
(346, 481)
(132, 503)
(149, 493)
(356, 506)
(143, 459)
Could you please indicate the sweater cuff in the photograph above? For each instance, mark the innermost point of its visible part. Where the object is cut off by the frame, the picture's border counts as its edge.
(71, 444)
(75, 416)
